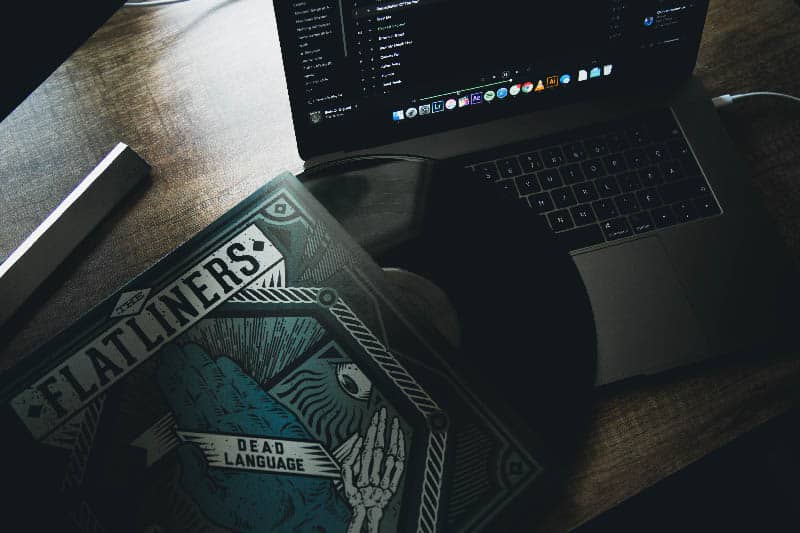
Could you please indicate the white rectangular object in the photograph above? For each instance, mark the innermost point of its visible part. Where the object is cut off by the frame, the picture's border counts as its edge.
(69, 223)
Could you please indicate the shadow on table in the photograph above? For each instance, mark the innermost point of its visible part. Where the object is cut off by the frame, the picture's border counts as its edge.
(748, 485)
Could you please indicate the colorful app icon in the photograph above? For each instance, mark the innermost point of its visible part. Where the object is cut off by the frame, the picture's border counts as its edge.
(450, 104)
(583, 75)
(515, 89)
(595, 72)
(527, 87)
(397, 116)
(539, 86)
(488, 96)
(607, 70)
(477, 98)
(425, 109)
(648, 21)
(437, 106)
(502, 92)
(552, 81)
(463, 101)
(565, 79)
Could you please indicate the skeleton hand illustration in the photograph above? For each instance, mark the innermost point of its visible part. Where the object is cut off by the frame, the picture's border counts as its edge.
(371, 473)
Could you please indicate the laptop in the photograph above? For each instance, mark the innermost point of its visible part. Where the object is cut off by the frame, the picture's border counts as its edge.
(588, 114)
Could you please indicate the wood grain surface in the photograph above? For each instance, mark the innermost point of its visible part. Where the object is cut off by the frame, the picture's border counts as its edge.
(197, 89)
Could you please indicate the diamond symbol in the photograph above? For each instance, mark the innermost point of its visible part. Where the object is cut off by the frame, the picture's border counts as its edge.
(130, 303)
(258, 246)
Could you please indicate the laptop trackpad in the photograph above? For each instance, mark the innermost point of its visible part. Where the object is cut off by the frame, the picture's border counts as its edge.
(644, 320)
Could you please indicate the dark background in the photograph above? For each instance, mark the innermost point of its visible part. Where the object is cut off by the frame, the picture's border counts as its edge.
(36, 37)
(748, 485)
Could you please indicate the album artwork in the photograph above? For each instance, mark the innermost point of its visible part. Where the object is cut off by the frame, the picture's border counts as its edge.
(262, 377)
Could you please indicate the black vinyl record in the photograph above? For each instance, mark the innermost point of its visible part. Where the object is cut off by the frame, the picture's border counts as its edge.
(527, 329)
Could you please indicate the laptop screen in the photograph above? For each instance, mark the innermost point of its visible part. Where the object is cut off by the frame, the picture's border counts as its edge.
(362, 73)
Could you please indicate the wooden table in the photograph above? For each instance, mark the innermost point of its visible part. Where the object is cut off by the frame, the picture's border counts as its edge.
(198, 90)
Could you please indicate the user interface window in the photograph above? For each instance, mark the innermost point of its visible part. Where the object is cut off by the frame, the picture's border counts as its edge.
(404, 60)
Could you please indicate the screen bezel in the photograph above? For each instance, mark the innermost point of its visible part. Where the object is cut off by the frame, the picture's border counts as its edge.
(314, 141)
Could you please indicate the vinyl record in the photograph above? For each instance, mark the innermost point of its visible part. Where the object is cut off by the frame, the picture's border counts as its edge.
(527, 330)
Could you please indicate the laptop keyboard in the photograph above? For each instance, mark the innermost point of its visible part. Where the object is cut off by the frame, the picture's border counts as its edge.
(602, 184)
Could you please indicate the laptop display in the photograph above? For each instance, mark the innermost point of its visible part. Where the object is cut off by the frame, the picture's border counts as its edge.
(365, 73)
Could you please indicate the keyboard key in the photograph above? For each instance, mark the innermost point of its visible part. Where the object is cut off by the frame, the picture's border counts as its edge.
(541, 203)
(474, 170)
(706, 206)
(672, 192)
(571, 174)
(615, 163)
(684, 211)
(553, 157)
(690, 167)
(641, 222)
(605, 209)
(582, 215)
(663, 127)
(585, 192)
(698, 187)
(616, 142)
(651, 176)
(487, 171)
(549, 179)
(593, 169)
(657, 153)
(636, 158)
(560, 220)
(582, 237)
(563, 197)
(663, 217)
(531, 162)
(629, 182)
(607, 187)
(528, 184)
(679, 149)
(616, 229)
(638, 136)
(671, 170)
(508, 188)
(626, 204)
(509, 167)
(649, 198)
(575, 152)
(596, 147)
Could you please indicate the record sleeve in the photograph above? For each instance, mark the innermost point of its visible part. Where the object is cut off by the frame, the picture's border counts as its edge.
(262, 377)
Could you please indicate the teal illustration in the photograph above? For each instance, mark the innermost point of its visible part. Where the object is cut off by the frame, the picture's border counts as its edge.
(208, 395)
(300, 386)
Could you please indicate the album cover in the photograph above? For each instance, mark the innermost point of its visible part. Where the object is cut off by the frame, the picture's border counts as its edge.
(262, 377)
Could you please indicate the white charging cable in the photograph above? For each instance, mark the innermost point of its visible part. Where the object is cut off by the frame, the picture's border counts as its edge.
(728, 99)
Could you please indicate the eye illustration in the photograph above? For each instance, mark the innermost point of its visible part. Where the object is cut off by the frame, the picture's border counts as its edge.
(353, 381)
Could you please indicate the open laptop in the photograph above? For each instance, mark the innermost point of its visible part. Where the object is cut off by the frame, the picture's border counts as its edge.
(588, 113)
